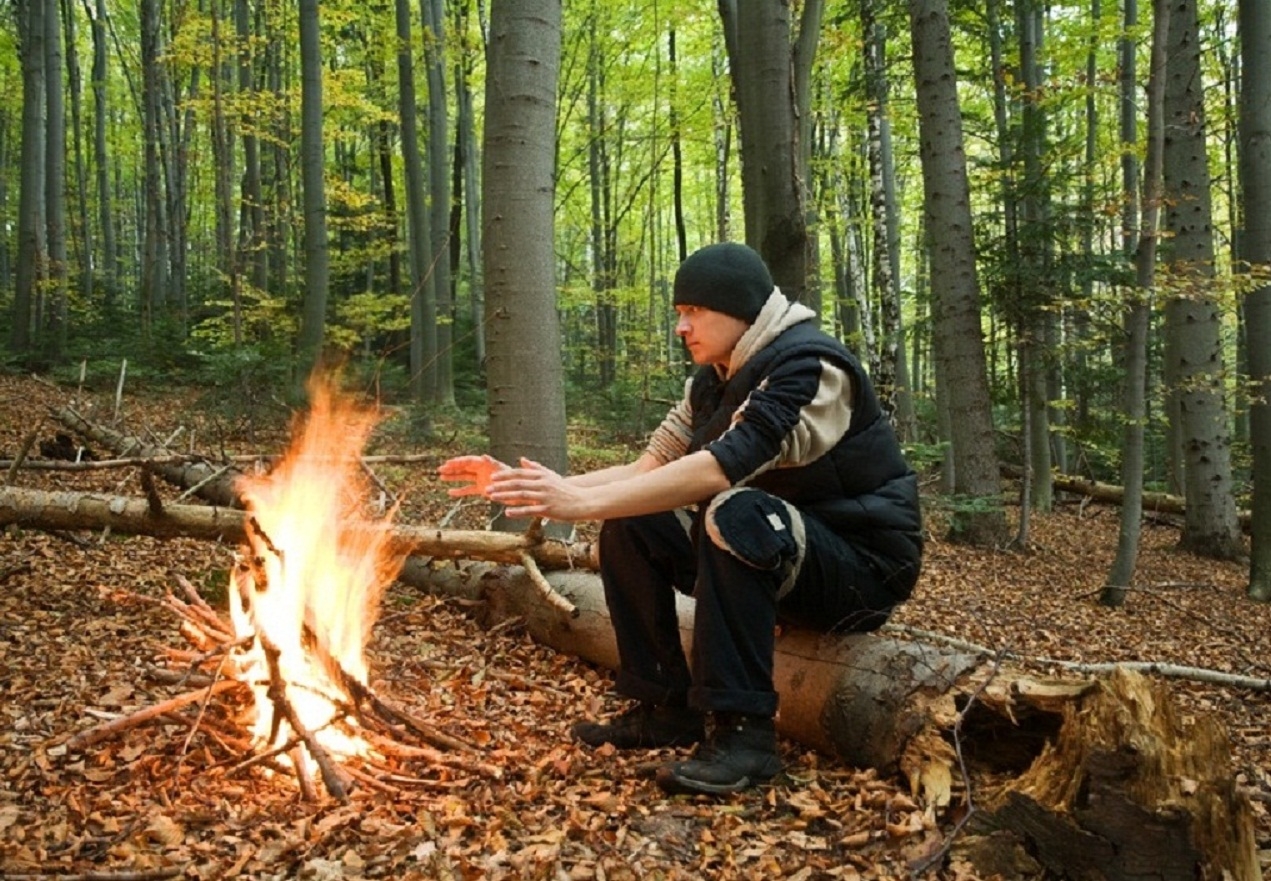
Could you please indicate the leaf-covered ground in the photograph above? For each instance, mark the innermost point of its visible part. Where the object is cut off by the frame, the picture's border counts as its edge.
(82, 630)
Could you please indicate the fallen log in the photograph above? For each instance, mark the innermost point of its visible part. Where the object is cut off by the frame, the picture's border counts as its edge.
(214, 483)
(902, 705)
(1111, 494)
(136, 516)
(1105, 780)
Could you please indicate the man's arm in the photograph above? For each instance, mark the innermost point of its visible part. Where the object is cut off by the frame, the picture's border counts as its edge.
(534, 490)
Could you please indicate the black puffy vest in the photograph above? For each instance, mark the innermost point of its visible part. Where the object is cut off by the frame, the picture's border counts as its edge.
(863, 488)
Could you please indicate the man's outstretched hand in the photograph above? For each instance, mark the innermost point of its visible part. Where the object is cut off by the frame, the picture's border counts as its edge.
(474, 470)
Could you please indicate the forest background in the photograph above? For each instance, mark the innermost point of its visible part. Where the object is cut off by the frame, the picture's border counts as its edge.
(1041, 225)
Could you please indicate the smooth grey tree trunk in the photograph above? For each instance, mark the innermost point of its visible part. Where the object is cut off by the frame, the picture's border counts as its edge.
(75, 89)
(1138, 312)
(1195, 360)
(55, 180)
(251, 223)
(109, 254)
(1035, 291)
(154, 257)
(525, 376)
(466, 143)
(31, 187)
(762, 67)
(1255, 153)
(439, 189)
(957, 339)
(423, 301)
(312, 170)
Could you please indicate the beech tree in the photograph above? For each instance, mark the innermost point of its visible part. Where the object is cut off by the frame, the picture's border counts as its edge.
(1194, 360)
(525, 384)
(30, 18)
(770, 64)
(1141, 215)
(1255, 157)
(313, 170)
(958, 342)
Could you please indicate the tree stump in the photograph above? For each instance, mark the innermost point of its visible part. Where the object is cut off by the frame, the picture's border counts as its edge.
(1128, 791)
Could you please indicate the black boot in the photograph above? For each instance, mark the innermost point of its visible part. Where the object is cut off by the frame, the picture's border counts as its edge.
(741, 752)
(645, 726)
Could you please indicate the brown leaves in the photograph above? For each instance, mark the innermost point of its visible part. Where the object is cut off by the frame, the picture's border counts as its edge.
(80, 624)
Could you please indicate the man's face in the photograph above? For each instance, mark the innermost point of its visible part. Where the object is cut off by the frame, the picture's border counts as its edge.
(709, 335)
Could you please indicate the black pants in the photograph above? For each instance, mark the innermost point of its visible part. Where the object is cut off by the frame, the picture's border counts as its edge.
(749, 560)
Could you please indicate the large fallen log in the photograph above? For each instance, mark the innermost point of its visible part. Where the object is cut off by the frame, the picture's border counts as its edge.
(1080, 755)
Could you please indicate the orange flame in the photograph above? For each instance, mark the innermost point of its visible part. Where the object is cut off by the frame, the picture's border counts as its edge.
(317, 573)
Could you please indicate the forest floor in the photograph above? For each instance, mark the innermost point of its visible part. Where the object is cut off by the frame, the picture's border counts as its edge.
(80, 626)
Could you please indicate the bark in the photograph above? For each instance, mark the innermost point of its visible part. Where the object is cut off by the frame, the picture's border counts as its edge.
(466, 147)
(525, 390)
(101, 160)
(1194, 350)
(1139, 311)
(1128, 790)
(31, 188)
(957, 339)
(55, 181)
(439, 187)
(312, 164)
(762, 66)
(423, 302)
(1086, 806)
(1255, 153)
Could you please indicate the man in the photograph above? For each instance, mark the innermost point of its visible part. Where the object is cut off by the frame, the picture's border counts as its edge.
(775, 490)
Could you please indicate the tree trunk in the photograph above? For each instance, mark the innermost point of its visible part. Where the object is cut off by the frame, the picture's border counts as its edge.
(82, 234)
(1099, 773)
(312, 169)
(466, 146)
(763, 69)
(1116, 795)
(1194, 356)
(439, 189)
(957, 340)
(423, 302)
(101, 156)
(1138, 312)
(31, 187)
(1255, 136)
(525, 389)
(153, 293)
(55, 181)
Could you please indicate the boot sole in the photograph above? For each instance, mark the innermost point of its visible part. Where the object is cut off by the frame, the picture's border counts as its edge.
(676, 784)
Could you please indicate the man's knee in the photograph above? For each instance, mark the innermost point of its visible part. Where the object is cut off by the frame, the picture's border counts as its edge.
(759, 529)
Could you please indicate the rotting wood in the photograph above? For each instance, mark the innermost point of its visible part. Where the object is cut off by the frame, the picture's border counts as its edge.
(1127, 790)
(879, 701)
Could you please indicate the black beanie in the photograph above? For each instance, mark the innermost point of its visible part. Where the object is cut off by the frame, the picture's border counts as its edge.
(727, 277)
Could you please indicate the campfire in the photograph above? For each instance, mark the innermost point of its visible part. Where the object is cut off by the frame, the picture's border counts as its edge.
(303, 596)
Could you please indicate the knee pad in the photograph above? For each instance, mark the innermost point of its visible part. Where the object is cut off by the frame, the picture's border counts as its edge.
(759, 529)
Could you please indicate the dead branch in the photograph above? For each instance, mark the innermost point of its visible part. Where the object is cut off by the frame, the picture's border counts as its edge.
(1158, 668)
(216, 485)
(131, 516)
(114, 727)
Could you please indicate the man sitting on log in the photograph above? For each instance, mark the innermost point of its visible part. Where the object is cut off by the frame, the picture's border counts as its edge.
(774, 491)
